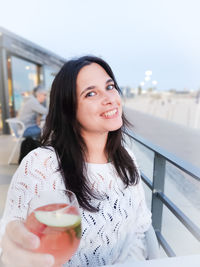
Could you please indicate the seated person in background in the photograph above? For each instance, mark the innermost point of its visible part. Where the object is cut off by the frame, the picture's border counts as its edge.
(31, 110)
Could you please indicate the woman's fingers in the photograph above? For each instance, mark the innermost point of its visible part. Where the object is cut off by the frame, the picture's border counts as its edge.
(18, 233)
(13, 255)
(17, 244)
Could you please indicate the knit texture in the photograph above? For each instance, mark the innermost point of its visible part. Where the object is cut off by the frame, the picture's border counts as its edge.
(112, 235)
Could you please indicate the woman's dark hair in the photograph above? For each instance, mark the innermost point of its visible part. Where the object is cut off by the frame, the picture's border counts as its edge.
(62, 132)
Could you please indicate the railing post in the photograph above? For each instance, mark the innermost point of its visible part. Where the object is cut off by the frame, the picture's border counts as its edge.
(158, 186)
(4, 98)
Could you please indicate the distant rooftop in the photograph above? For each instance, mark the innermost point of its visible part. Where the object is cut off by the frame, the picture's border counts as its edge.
(21, 46)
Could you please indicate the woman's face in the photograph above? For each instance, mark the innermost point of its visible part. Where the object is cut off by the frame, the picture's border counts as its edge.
(99, 104)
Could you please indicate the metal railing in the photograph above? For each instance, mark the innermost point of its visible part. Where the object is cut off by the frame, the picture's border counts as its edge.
(158, 196)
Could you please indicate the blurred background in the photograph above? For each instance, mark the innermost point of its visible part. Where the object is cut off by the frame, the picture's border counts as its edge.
(153, 47)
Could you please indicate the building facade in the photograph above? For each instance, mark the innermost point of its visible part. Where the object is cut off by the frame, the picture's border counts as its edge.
(23, 65)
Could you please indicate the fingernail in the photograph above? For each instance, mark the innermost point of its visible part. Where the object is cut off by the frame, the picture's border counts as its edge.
(49, 260)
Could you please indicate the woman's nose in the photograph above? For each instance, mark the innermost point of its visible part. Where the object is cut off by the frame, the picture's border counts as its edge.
(107, 98)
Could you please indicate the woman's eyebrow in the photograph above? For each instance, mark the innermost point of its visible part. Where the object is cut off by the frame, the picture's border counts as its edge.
(109, 80)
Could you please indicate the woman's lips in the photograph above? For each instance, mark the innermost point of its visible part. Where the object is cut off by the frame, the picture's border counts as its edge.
(110, 114)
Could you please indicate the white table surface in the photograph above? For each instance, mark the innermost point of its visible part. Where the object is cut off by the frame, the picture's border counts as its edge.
(184, 261)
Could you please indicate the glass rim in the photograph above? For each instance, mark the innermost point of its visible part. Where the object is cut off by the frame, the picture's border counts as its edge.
(74, 202)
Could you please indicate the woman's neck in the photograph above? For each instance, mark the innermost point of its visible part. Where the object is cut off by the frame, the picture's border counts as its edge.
(96, 145)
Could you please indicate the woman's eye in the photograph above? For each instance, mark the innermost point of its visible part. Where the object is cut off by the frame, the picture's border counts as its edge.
(110, 87)
(90, 94)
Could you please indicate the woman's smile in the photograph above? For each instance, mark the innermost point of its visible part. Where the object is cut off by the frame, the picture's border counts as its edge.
(111, 114)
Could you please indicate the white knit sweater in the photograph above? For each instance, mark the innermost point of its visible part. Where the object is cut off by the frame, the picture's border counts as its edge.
(109, 236)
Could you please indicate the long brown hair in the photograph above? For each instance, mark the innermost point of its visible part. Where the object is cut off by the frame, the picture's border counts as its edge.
(62, 132)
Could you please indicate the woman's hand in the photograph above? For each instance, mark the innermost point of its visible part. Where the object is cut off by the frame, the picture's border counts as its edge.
(18, 245)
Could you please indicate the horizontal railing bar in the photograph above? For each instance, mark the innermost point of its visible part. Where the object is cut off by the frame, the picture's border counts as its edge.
(174, 209)
(147, 181)
(179, 163)
(194, 230)
(169, 251)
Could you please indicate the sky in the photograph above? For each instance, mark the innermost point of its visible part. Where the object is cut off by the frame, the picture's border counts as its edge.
(133, 36)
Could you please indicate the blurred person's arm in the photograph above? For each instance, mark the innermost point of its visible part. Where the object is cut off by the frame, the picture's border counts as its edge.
(39, 119)
(39, 108)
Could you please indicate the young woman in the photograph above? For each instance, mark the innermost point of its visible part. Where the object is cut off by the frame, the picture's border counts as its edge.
(83, 151)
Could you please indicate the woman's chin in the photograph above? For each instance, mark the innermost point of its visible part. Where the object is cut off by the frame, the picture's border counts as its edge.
(115, 127)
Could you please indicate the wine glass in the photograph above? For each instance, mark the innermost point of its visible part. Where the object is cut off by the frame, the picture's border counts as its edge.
(55, 218)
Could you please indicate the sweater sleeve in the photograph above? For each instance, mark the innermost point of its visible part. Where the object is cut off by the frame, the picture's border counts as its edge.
(143, 219)
(142, 224)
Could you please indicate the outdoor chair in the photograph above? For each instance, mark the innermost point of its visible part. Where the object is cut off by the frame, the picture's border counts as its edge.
(17, 129)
